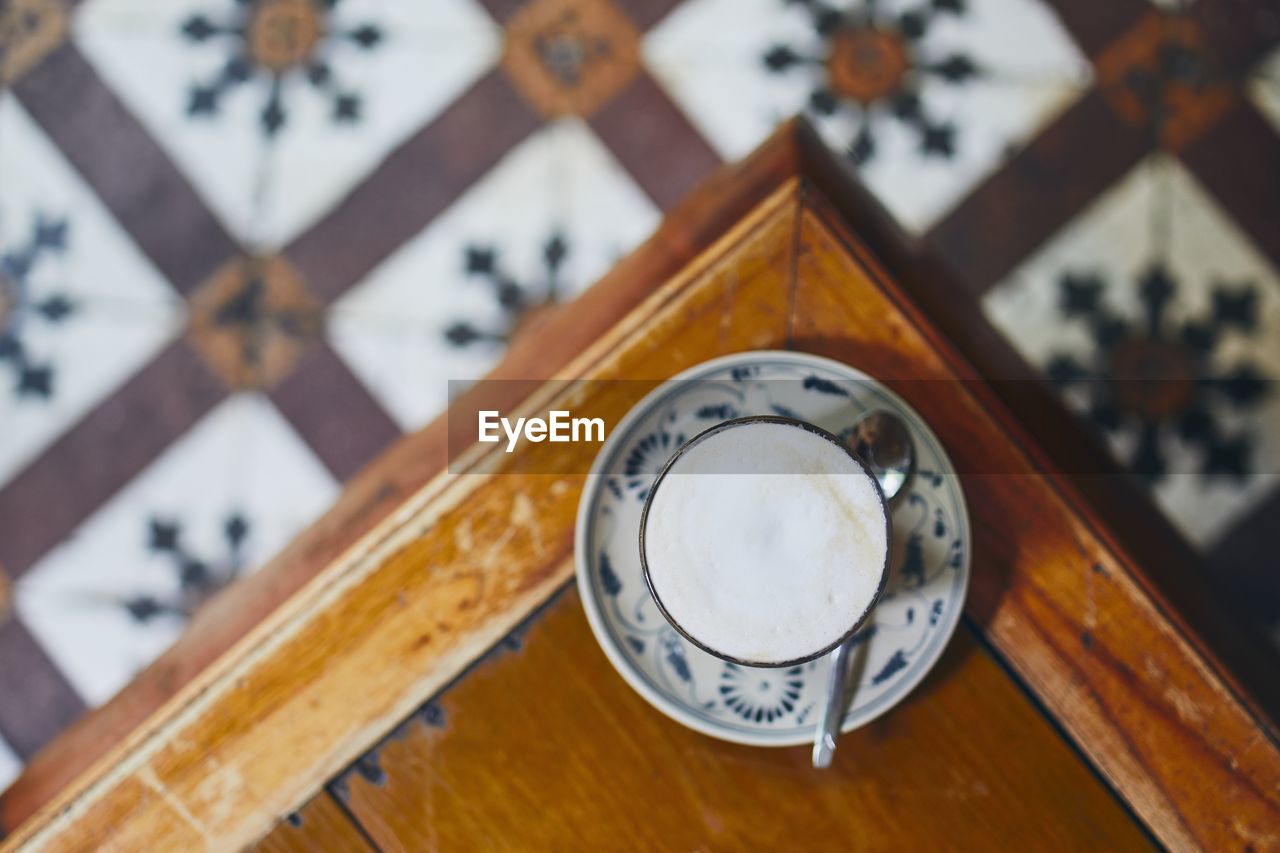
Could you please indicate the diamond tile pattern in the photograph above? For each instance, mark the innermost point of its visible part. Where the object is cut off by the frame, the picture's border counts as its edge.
(1162, 324)
(924, 99)
(547, 221)
(81, 308)
(274, 110)
(244, 244)
(120, 589)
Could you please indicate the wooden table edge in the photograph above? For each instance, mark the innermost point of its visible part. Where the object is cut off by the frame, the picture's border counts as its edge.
(444, 487)
(141, 740)
(378, 491)
(1065, 486)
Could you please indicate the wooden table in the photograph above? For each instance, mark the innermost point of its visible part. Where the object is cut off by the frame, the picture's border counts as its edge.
(383, 699)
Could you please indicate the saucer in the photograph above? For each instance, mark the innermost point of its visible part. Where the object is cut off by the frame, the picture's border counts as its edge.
(906, 633)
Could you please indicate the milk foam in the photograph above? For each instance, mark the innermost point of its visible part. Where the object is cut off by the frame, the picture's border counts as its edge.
(765, 542)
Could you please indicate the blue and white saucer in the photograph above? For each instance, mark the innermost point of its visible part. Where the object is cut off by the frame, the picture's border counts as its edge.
(768, 707)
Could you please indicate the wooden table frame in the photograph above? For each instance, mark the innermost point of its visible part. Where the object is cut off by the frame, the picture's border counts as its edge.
(297, 670)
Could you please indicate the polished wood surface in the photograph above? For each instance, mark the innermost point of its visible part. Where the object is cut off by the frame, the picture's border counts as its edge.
(553, 338)
(546, 748)
(1063, 604)
(405, 608)
(320, 826)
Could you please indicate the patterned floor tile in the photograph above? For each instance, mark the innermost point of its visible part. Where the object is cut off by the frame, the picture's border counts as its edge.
(545, 223)
(924, 99)
(392, 155)
(80, 307)
(29, 31)
(1264, 88)
(217, 504)
(275, 109)
(1161, 321)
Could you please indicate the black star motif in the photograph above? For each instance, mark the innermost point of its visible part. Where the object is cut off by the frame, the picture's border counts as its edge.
(1079, 294)
(938, 139)
(1159, 380)
(164, 535)
(199, 578)
(346, 108)
(236, 529)
(896, 95)
(514, 299)
(234, 29)
(21, 310)
(36, 381)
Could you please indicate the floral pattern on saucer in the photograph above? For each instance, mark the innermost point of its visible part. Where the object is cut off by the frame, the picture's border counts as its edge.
(776, 707)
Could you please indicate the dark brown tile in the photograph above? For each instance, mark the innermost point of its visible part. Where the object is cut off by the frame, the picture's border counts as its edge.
(646, 13)
(1240, 32)
(116, 440)
(654, 141)
(135, 180)
(413, 185)
(36, 702)
(1095, 25)
(341, 421)
(1244, 561)
(1046, 184)
(603, 57)
(1238, 161)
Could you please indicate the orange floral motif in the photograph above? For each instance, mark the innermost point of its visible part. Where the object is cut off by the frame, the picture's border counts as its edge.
(252, 320)
(1160, 76)
(570, 57)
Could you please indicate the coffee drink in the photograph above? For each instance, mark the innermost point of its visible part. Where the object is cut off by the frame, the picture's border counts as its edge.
(765, 541)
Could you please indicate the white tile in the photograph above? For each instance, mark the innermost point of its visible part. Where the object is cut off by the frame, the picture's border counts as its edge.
(1117, 239)
(121, 310)
(267, 192)
(10, 765)
(709, 54)
(561, 181)
(241, 460)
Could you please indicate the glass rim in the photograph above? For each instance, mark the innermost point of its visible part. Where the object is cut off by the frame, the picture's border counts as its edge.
(782, 421)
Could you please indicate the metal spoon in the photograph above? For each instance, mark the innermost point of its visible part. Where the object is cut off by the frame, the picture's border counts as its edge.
(882, 440)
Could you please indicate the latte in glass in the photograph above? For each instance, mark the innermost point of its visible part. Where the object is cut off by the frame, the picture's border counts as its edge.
(765, 541)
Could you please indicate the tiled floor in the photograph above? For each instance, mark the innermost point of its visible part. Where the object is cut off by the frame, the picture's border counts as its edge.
(244, 244)
(957, 85)
(83, 309)
(215, 504)
(553, 216)
(272, 143)
(1154, 280)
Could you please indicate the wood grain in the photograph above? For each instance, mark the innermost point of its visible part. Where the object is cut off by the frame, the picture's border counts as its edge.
(409, 605)
(400, 612)
(965, 763)
(1057, 600)
(318, 827)
(1168, 566)
(538, 353)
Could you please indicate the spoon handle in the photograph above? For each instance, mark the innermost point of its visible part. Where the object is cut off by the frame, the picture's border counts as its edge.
(824, 742)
